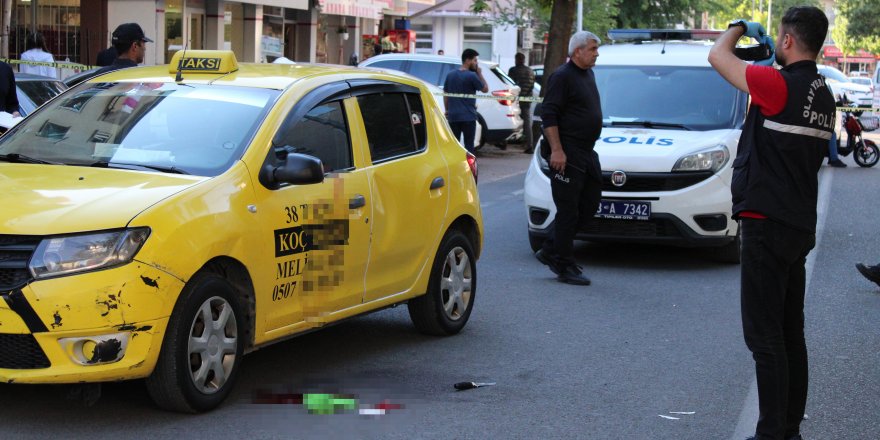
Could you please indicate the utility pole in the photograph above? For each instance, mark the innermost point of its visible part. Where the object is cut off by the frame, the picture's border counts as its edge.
(769, 11)
(580, 16)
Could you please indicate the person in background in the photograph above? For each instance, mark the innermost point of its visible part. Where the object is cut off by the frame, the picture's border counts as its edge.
(131, 44)
(440, 52)
(8, 95)
(462, 112)
(833, 158)
(36, 51)
(106, 57)
(524, 77)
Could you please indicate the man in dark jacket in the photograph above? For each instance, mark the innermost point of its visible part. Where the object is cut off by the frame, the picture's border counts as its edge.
(106, 57)
(524, 77)
(572, 121)
(8, 92)
(130, 43)
(775, 190)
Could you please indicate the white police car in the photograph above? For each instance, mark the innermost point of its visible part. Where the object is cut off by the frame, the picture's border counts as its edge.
(671, 127)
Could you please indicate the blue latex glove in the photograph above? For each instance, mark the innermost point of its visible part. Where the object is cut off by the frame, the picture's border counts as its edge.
(769, 61)
(753, 28)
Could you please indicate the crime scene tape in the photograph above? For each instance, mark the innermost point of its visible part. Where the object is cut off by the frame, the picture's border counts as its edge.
(496, 98)
(531, 99)
(63, 65)
(859, 109)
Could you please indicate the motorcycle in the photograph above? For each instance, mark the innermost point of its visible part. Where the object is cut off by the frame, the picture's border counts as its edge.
(865, 151)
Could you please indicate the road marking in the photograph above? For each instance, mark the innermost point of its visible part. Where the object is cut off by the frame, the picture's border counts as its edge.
(748, 417)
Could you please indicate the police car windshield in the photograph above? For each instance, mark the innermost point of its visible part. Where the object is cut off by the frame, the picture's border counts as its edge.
(192, 129)
(694, 98)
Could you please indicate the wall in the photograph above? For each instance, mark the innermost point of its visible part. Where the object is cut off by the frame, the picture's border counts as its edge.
(146, 14)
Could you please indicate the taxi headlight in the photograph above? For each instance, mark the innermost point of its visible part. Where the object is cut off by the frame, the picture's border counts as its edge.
(78, 253)
(708, 160)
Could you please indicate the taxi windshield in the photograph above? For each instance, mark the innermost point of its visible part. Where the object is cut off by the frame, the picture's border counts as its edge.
(692, 98)
(181, 128)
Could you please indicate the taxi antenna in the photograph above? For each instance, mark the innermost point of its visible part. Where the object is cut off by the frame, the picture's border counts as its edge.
(179, 76)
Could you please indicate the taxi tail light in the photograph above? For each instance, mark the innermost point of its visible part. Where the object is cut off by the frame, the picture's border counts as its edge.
(472, 163)
(503, 94)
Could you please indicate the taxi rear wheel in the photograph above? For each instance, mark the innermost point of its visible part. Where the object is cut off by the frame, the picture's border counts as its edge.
(445, 309)
(202, 348)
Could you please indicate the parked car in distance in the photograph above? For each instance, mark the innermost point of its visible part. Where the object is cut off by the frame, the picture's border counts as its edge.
(499, 119)
(858, 94)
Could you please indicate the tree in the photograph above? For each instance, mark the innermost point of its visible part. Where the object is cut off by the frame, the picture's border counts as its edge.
(561, 22)
(863, 17)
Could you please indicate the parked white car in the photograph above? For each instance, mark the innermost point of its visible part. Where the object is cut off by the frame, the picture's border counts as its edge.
(671, 128)
(499, 120)
(858, 94)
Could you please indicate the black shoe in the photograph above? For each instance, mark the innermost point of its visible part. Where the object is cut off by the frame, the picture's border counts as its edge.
(794, 437)
(572, 274)
(837, 163)
(548, 259)
(529, 151)
(872, 273)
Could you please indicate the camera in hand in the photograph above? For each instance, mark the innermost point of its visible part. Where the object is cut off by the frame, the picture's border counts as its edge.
(754, 52)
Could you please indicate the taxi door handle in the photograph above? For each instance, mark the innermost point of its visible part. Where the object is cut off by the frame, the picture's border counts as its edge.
(358, 201)
(438, 182)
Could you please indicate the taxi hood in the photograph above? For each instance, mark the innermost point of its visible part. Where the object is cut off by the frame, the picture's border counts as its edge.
(53, 199)
(653, 150)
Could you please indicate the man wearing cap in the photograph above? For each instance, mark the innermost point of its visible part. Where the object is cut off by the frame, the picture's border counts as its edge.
(130, 43)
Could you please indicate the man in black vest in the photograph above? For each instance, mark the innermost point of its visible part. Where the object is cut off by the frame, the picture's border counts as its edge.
(775, 189)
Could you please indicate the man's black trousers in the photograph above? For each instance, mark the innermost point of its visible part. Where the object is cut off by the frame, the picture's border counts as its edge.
(576, 196)
(773, 281)
(466, 128)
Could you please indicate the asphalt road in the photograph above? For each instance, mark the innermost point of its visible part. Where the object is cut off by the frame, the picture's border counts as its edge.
(652, 350)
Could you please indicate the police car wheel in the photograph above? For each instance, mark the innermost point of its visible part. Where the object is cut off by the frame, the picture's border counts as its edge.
(445, 309)
(202, 349)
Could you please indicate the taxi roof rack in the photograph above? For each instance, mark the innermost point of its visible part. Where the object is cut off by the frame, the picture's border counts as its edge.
(640, 35)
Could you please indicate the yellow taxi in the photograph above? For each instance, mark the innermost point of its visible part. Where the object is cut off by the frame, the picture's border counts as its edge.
(159, 222)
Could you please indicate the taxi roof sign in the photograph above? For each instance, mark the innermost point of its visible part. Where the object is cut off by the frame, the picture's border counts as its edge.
(663, 34)
(203, 61)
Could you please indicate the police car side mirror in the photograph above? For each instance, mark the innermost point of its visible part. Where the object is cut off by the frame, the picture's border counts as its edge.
(298, 169)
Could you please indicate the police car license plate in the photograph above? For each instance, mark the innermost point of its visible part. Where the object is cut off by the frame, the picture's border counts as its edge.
(624, 209)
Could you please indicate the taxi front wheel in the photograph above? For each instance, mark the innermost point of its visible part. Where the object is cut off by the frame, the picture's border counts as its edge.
(445, 309)
(202, 347)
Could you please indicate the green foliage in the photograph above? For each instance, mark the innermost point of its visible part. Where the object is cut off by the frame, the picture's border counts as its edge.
(862, 19)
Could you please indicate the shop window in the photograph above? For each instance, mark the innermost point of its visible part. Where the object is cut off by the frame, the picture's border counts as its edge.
(424, 37)
(478, 36)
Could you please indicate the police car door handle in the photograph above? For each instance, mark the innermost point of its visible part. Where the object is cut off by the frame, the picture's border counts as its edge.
(358, 201)
(438, 182)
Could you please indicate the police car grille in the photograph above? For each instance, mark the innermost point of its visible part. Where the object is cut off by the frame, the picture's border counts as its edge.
(21, 352)
(15, 252)
(648, 182)
(631, 228)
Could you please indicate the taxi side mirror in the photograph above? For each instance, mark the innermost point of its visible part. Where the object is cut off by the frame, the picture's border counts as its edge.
(298, 169)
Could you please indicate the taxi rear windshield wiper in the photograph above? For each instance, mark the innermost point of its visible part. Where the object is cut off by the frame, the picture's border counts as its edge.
(648, 124)
(21, 158)
(138, 166)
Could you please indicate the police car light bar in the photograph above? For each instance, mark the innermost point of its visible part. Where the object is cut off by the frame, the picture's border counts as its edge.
(663, 34)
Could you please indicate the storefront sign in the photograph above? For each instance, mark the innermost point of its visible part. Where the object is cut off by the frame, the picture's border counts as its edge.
(356, 8)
